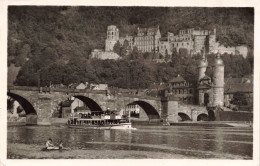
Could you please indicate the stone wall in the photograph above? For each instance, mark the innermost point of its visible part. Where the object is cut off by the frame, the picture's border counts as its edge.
(192, 111)
(45, 104)
(233, 116)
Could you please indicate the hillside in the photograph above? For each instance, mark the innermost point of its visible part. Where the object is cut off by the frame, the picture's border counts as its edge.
(46, 39)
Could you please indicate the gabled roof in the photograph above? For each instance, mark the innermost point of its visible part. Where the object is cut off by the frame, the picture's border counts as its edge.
(177, 79)
(205, 78)
(245, 79)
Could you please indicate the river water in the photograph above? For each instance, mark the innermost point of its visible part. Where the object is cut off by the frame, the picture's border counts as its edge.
(191, 141)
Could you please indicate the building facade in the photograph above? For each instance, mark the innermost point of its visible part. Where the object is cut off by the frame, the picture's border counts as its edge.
(191, 41)
(181, 90)
(148, 39)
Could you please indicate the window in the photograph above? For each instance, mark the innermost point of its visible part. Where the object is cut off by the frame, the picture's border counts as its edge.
(190, 90)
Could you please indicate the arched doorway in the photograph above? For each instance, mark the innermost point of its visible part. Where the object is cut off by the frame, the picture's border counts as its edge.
(206, 99)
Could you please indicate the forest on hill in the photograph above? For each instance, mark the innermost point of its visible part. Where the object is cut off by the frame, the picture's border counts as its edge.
(54, 43)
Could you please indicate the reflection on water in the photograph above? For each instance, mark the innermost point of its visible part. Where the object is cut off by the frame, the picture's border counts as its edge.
(201, 142)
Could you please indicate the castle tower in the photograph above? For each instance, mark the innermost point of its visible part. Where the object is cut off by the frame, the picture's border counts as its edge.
(112, 37)
(218, 81)
(203, 65)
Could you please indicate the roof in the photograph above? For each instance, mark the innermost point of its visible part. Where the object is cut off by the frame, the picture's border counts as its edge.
(148, 30)
(205, 78)
(177, 79)
(81, 86)
(239, 88)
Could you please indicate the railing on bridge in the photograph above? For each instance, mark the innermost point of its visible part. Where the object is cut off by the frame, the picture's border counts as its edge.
(67, 90)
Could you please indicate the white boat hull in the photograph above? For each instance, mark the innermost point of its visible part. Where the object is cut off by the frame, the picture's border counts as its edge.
(123, 126)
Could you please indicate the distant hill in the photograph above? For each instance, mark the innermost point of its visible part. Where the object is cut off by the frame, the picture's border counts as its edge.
(46, 39)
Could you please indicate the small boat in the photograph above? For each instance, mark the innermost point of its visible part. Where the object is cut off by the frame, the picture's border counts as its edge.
(99, 120)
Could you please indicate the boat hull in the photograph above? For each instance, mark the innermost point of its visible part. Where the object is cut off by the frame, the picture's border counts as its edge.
(123, 126)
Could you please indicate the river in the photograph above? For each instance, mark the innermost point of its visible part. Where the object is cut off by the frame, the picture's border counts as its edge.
(190, 141)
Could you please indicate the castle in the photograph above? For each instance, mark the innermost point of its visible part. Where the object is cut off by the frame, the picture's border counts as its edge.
(150, 40)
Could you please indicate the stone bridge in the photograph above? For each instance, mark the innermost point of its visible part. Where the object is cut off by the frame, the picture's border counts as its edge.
(43, 104)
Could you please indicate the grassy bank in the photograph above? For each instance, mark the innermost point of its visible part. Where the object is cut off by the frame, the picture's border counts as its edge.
(24, 151)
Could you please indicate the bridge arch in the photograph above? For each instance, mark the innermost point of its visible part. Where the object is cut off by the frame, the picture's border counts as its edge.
(27, 106)
(183, 116)
(150, 111)
(212, 116)
(202, 117)
(92, 105)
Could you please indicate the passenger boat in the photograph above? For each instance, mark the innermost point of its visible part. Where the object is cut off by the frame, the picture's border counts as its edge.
(99, 120)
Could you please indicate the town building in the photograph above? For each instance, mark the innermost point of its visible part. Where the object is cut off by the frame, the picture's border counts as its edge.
(181, 90)
(242, 89)
(68, 107)
(133, 109)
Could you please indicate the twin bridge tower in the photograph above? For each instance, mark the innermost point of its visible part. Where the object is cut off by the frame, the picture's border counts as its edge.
(211, 89)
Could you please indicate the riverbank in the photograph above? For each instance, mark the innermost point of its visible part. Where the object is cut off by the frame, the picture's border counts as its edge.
(214, 123)
(31, 151)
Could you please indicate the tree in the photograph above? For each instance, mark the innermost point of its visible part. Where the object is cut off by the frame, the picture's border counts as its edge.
(116, 48)
(239, 99)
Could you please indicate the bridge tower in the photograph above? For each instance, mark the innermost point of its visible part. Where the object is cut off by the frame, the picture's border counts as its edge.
(112, 37)
(203, 65)
(218, 81)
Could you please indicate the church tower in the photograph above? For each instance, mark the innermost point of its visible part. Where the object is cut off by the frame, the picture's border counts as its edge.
(112, 37)
(203, 64)
(218, 81)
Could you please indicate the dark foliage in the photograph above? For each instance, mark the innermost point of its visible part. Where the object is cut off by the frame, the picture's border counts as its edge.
(52, 44)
